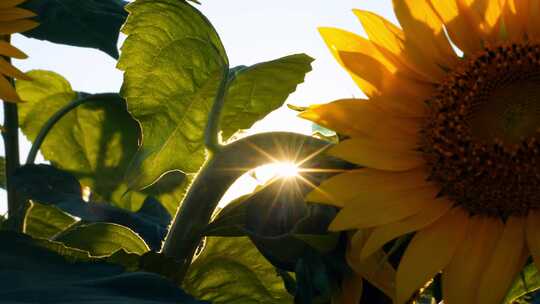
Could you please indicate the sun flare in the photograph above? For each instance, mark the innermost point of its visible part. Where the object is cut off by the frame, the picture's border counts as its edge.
(277, 169)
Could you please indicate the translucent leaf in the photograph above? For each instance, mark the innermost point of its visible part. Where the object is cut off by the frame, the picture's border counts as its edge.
(173, 62)
(260, 89)
(231, 270)
(103, 239)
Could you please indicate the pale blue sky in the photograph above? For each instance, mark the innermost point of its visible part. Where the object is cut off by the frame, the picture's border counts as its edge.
(252, 31)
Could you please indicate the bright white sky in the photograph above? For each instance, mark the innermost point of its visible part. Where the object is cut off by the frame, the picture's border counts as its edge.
(252, 32)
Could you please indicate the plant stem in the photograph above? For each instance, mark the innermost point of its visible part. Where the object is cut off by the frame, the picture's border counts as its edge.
(11, 144)
(211, 133)
(215, 178)
(10, 134)
(47, 127)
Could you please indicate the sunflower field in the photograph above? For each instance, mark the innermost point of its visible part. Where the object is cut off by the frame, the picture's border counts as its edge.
(426, 190)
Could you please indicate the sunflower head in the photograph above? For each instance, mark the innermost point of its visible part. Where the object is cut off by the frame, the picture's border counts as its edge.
(13, 19)
(448, 141)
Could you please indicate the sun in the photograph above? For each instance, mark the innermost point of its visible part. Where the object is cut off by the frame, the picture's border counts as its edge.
(286, 169)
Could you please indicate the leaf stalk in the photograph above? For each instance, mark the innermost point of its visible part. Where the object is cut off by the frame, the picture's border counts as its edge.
(51, 122)
(211, 134)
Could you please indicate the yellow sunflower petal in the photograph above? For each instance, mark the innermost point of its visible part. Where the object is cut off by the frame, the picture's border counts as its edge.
(7, 92)
(6, 49)
(15, 13)
(533, 235)
(391, 42)
(375, 269)
(509, 256)
(430, 251)
(10, 3)
(390, 155)
(490, 14)
(461, 278)
(383, 234)
(422, 26)
(7, 69)
(339, 40)
(382, 81)
(17, 26)
(456, 15)
(516, 15)
(357, 117)
(337, 190)
(533, 22)
(376, 209)
(401, 106)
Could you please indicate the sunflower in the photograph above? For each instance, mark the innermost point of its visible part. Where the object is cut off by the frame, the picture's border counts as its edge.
(448, 142)
(13, 20)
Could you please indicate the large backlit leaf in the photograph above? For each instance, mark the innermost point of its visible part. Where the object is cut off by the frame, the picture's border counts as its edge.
(31, 273)
(231, 270)
(260, 89)
(88, 23)
(173, 62)
(102, 239)
(95, 142)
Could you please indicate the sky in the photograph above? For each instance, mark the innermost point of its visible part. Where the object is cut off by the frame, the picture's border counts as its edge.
(252, 32)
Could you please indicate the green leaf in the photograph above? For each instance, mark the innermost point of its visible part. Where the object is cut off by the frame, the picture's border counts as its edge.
(95, 141)
(169, 189)
(527, 282)
(43, 221)
(173, 62)
(231, 270)
(260, 89)
(52, 186)
(88, 23)
(39, 271)
(103, 239)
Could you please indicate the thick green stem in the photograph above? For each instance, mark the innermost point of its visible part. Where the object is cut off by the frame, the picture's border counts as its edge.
(11, 144)
(215, 178)
(47, 127)
(10, 133)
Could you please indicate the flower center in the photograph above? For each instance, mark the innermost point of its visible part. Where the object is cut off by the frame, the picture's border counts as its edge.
(482, 138)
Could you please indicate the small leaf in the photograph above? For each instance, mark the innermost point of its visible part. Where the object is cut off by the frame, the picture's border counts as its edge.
(170, 189)
(231, 270)
(44, 221)
(528, 282)
(88, 23)
(296, 108)
(39, 271)
(51, 186)
(103, 239)
(258, 90)
(173, 62)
